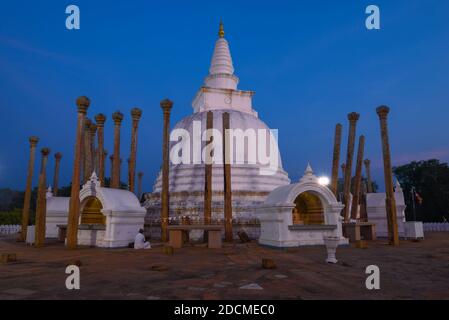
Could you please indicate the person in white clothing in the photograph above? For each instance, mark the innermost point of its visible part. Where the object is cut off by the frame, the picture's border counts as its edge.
(139, 241)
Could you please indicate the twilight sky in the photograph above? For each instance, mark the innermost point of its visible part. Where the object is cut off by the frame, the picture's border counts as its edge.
(310, 63)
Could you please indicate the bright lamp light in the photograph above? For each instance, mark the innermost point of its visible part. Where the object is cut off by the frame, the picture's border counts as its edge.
(324, 181)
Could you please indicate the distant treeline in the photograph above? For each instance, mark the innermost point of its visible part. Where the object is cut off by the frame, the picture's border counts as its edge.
(430, 180)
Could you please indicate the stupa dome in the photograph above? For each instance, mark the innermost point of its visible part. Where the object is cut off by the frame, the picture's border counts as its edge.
(253, 175)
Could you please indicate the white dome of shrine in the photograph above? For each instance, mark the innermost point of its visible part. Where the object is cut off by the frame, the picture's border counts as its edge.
(249, 185)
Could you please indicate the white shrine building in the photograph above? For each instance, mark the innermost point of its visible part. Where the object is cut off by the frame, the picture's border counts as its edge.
(109, 218)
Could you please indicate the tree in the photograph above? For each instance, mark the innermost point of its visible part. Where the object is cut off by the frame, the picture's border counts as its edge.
(431, 181)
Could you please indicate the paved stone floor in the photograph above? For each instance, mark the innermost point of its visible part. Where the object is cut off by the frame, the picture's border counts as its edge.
(415, 270)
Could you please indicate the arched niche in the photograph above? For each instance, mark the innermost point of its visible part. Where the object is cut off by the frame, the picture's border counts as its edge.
(308, 209)
(91, 212)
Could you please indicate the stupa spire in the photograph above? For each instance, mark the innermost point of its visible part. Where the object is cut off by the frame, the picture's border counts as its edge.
(221, 71)
(221, 32)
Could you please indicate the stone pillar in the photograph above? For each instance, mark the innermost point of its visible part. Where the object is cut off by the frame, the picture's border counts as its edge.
(393, 235)
(100, 119)
(117, 117)
(111, 158)
(74, 206)
(208, 171)
(87, 151)
(58, 157)
(136, 113)
(26, 202)
(139, 185)
(353, 118)
(343, 170)
(336, 158)
(358, 179)
(82, 155)
(120, 172)
(166, 106)
(369, 186)
(92, 134)
(128, 161)
(39, 236)
(229, 235)
(363, 209)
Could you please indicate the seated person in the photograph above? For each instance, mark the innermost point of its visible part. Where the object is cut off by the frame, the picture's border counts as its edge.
(139, 241)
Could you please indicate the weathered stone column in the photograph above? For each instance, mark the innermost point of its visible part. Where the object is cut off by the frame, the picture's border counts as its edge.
(358, 179)
(74, 206)
(136, 114)
(39, 236)
(382, 112)
(100, 119)
(336, 158)
(92, 133)
(139, 187)
(128, 161)
(166, 106)
(82, 155)
(58, 157)
(111, 158)
(369, 186)
(208, 171)
(26, 202)
(353, 118)
(229, 235)
(117, 117)
(120, 172)
(343, 170)
(87, 150)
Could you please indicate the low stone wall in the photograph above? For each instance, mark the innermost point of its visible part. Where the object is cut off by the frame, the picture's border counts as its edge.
(10, 229)
(436, 226)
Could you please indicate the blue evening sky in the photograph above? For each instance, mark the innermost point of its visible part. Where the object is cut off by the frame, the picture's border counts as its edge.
(310, 63)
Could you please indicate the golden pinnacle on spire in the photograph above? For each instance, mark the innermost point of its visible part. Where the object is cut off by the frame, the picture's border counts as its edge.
(221, 32)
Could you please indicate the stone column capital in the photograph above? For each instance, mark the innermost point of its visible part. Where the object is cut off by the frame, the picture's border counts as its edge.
(353, 117)
(100, 119)
(383, 112)
(83, 104)
(45, 152)
(136, 114)
(87, 124)
(93, 129)
(117, 117)
(33, 141)
(58, 156)
(166, 105)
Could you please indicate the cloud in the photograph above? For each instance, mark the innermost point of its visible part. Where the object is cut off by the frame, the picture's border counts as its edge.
(24, 47)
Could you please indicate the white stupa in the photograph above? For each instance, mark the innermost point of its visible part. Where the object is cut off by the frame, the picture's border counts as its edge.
(249, 187)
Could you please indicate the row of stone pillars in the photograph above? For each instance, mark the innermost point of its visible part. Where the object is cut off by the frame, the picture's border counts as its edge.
(96, 160)
(93, 159)
(87, 159)
(350, 212)
(166, 106)
(41, 200)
